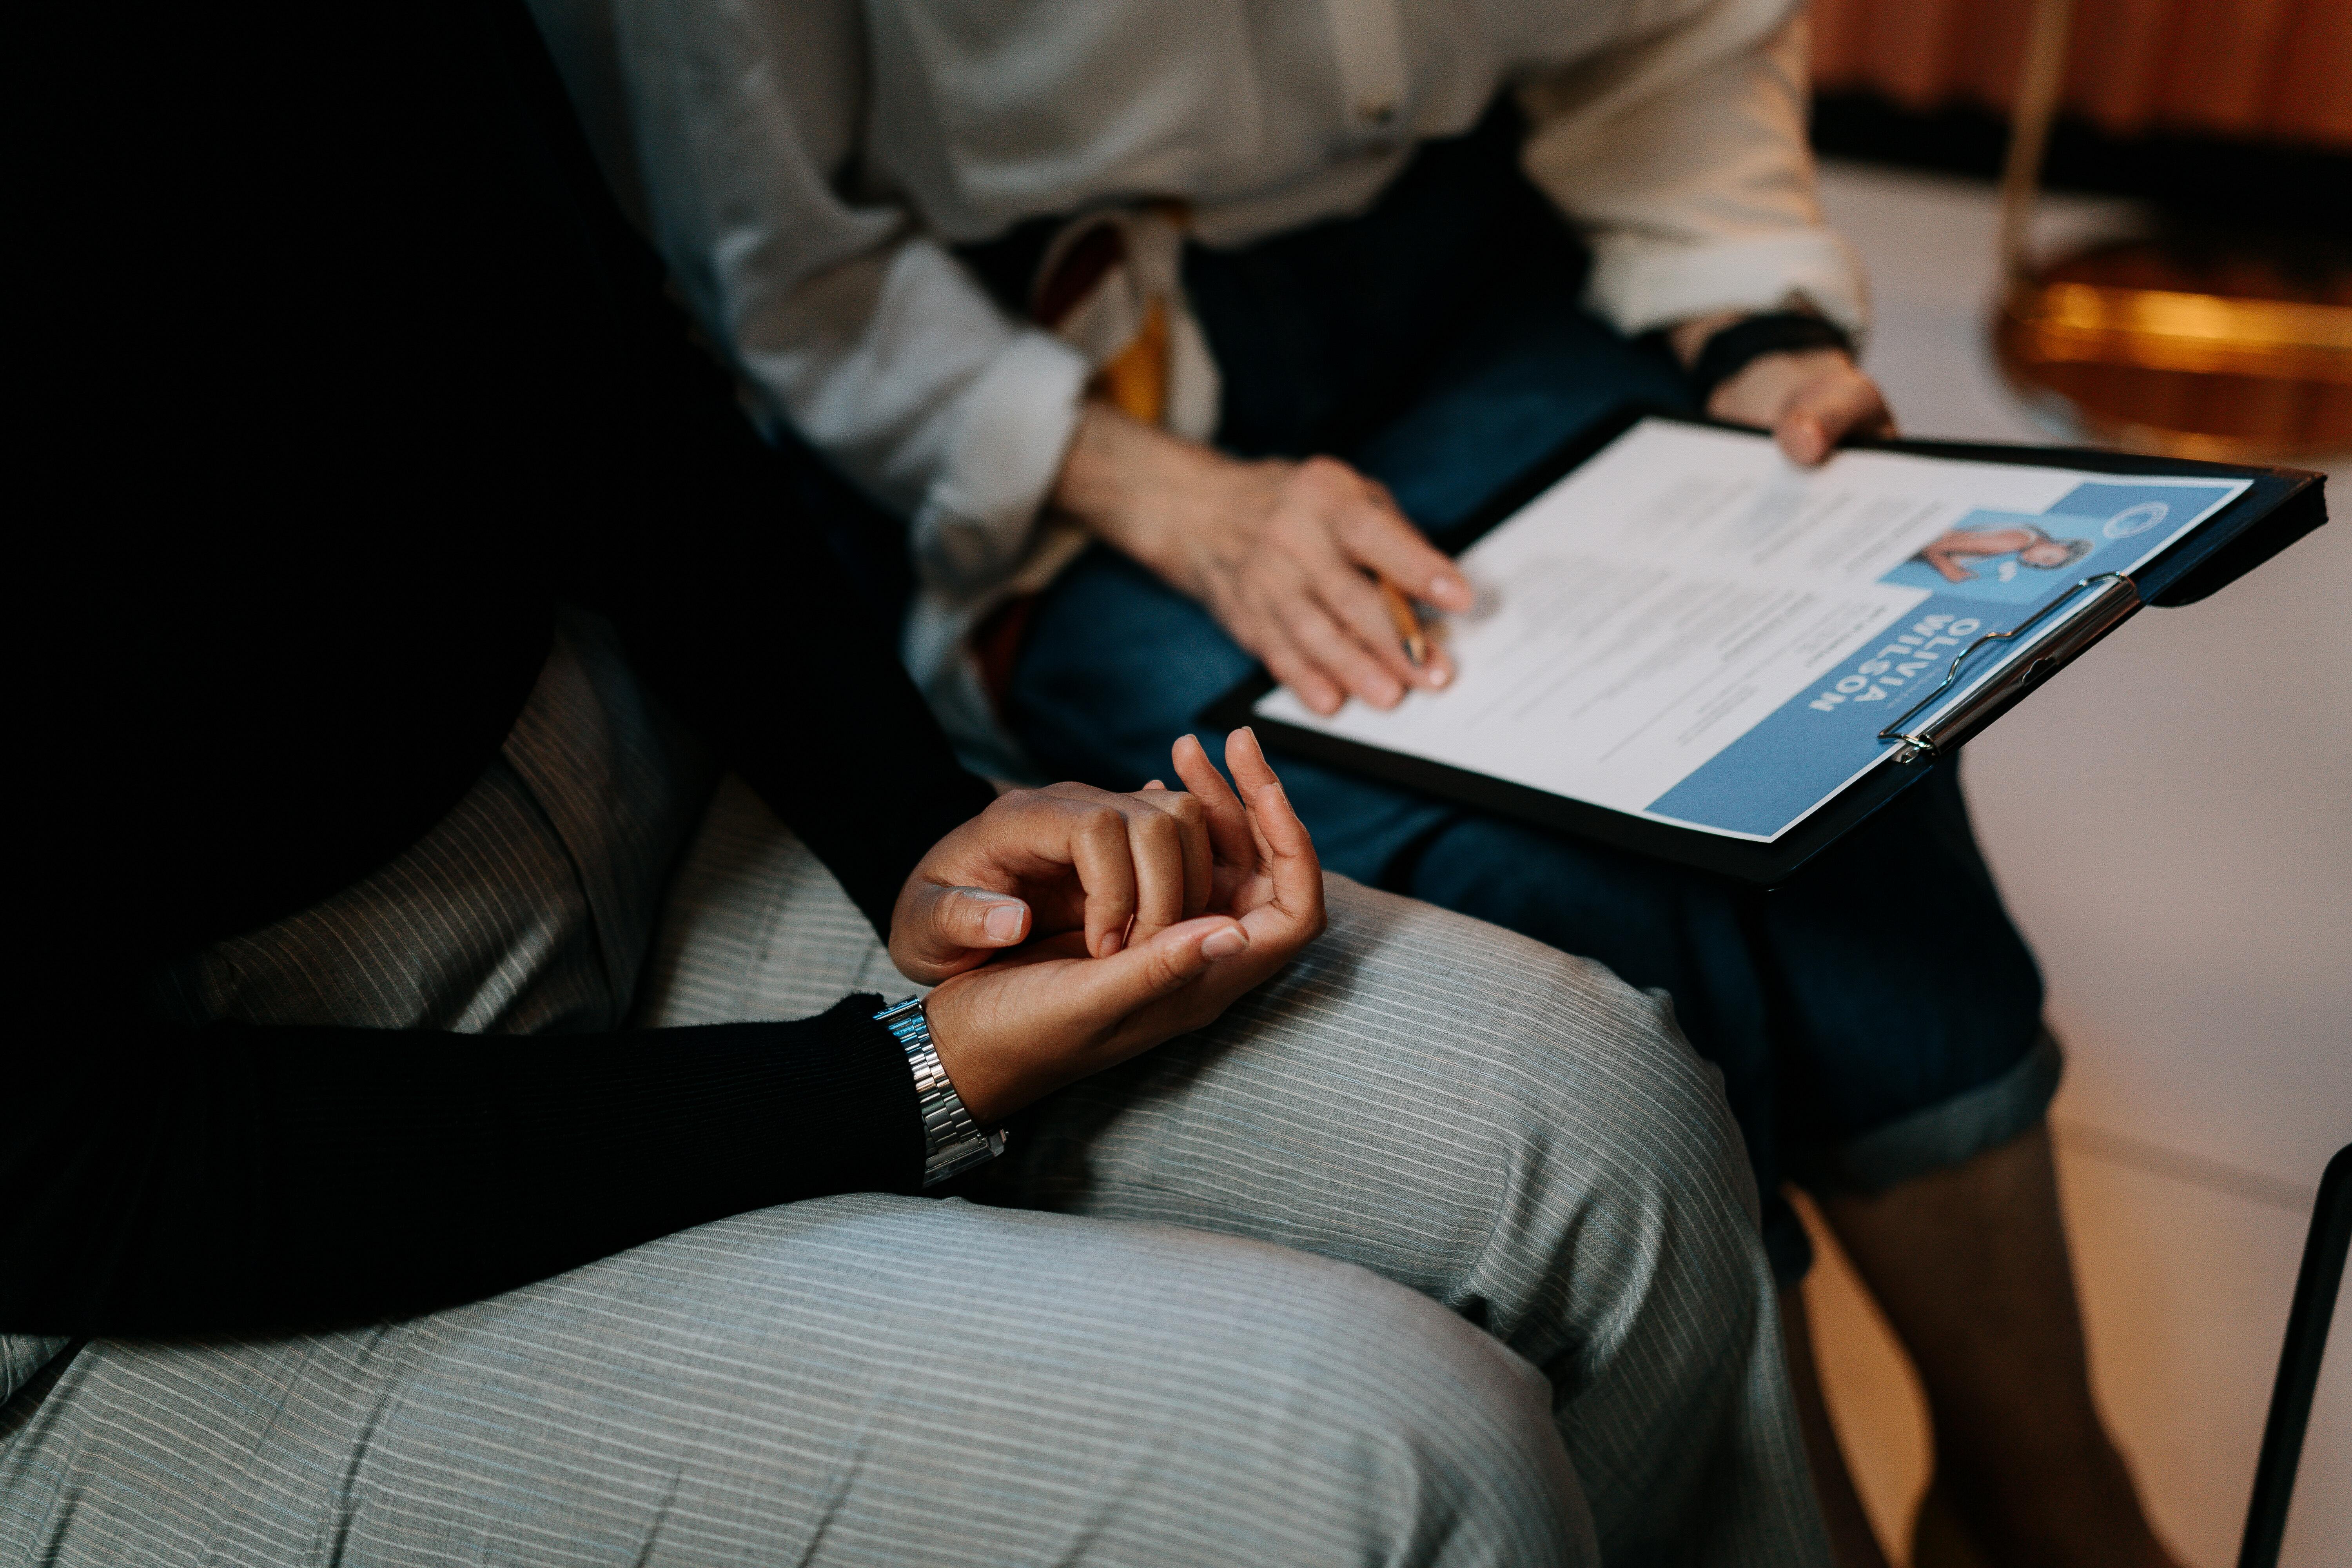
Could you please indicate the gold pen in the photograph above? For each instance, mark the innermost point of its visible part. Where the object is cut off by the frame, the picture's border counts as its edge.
(1408, 623)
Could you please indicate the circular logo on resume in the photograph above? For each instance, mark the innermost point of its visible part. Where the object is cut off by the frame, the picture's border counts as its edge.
(2136, 520)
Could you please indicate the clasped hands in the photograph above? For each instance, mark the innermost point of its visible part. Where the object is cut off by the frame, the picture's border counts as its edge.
(1069, 928)
(1283, 553)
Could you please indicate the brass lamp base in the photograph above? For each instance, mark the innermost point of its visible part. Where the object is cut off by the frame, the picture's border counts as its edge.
(2187, 348)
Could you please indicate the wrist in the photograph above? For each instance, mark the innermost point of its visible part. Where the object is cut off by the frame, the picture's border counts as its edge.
(1715, 349)
(1689, 339)
(954, 1139)
(988, 1081)
(1117, 480)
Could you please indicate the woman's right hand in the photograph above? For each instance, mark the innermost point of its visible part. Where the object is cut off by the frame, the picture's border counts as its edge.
(1047, 1013)
(1280, 553)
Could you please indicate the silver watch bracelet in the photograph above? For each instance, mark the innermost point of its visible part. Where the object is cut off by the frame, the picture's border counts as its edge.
(953, 1142)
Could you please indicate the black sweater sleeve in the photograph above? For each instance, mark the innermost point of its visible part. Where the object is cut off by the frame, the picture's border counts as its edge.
(239, 1178)
(425, 381)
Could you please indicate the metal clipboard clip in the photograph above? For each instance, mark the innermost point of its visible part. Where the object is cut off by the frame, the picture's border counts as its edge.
(2089, 620)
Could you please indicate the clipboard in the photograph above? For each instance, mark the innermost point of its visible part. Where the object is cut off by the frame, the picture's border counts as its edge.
(2278, 506)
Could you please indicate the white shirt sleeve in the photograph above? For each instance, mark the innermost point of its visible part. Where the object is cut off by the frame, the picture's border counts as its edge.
(1683, 158)
(730, 122)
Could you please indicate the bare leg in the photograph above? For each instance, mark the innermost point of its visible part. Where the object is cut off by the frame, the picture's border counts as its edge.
(1972, 1268)
(1852, 1540)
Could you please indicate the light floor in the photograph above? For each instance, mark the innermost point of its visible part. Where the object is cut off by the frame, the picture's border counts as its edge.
(2171, 822)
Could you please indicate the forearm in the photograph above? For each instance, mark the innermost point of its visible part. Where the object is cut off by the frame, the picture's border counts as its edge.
(1947, 564)
(1148, 494)
(245, 1179)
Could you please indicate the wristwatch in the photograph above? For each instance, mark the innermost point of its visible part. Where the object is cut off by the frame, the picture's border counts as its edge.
(953, 1142)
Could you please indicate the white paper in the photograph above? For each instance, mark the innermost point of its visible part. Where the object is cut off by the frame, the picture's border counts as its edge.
(1688, 589)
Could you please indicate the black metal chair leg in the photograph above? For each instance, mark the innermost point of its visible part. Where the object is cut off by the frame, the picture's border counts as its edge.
(2298, 1372)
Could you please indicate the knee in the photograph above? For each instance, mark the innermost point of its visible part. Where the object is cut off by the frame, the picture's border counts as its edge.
(1551, 1050)
(1613, 1204)
(1613, 1068)
(1400, 1430)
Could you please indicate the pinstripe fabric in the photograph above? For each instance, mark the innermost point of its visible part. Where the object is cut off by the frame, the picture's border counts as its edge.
(1205, 1319)
(1504, 1129)
(525, 910)
(853, 1381)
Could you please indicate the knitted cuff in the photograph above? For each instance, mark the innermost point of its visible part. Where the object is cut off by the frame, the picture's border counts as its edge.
(1737, 346)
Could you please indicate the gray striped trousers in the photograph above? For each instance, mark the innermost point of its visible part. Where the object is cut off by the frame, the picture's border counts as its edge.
(1438, 1250)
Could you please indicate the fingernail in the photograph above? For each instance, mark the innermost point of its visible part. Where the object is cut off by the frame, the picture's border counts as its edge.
(1116, 941)
(1225, 943)
(1440, 675)
(1003, 922)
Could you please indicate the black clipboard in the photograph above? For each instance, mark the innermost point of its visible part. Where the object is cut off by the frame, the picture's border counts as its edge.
(2278, 507)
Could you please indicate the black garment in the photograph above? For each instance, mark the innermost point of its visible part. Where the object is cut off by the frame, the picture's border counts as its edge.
(348, 371)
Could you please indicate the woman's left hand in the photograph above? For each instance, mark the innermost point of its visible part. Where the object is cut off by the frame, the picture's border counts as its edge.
(1810, 400)
(1060, 1006)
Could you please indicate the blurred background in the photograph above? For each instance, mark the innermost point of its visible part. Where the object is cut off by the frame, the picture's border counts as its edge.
(2171, 818)
(2146, 81)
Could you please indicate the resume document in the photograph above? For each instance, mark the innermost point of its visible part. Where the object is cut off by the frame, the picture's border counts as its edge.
(1690, 628)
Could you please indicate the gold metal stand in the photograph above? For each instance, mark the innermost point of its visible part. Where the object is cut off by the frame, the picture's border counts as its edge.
(2199, 346)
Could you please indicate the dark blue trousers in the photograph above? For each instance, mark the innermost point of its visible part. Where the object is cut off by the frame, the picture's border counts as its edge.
(1878, 1018)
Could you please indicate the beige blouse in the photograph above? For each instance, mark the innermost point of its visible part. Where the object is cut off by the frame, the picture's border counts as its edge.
(802, 165)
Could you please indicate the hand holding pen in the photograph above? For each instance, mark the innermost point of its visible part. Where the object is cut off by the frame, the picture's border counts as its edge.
(1407, 621)
(1289, 556)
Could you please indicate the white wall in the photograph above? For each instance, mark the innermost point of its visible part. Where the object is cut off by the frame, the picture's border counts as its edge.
(2171, 822)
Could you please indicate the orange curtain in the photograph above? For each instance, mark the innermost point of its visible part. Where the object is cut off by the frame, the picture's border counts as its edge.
(2268, 71)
